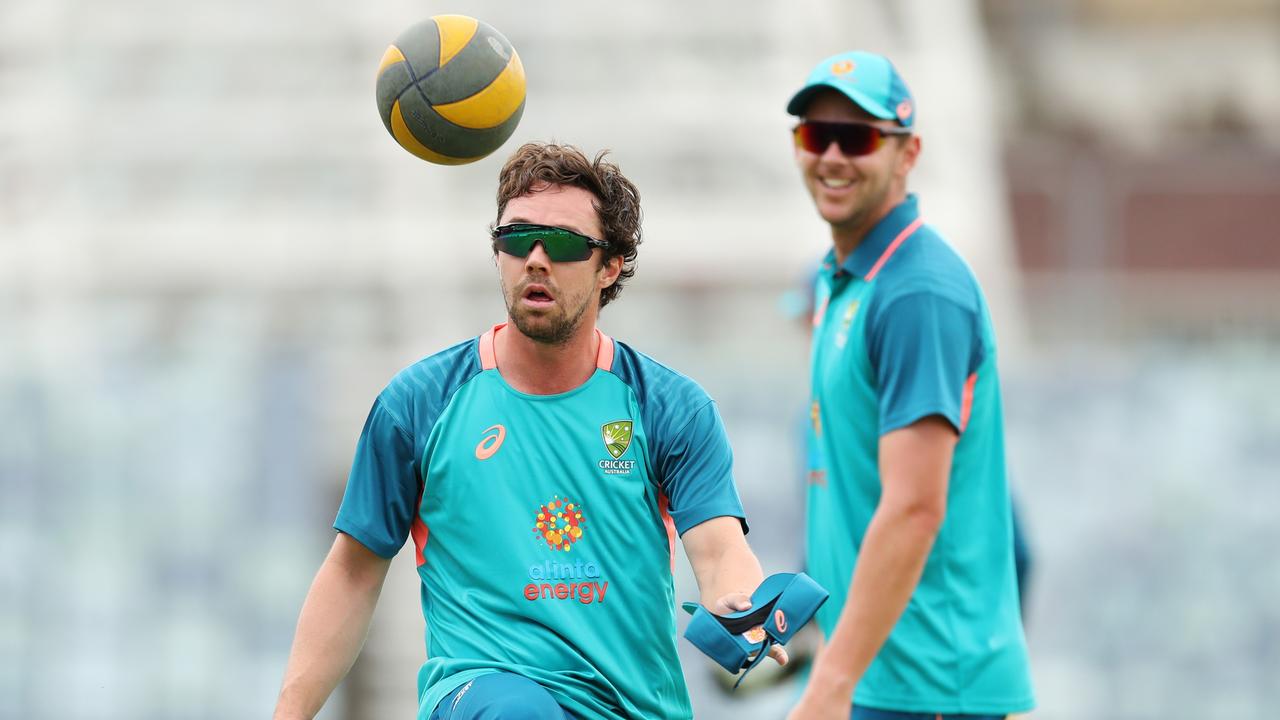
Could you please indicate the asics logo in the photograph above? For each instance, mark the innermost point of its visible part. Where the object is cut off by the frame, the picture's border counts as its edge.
(491, 442)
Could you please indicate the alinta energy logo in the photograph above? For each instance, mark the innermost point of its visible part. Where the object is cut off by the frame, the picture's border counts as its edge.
(561, 524)
(617, 438)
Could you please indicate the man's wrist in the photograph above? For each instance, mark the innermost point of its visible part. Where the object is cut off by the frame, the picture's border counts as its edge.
(834, 680)
(289, 711)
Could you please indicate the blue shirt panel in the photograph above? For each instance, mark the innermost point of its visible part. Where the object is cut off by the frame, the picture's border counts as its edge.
(692, 460)
(385, 483)
(924, 326)
(922, 358)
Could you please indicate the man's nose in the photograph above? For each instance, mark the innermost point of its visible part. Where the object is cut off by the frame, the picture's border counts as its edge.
(537, 256)
(832, 153)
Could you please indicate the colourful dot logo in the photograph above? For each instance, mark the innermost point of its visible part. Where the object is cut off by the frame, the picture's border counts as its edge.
(559, 524)
(904, 110)
(844, 67)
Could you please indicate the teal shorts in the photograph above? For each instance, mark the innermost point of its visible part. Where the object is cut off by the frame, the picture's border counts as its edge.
(500, 696)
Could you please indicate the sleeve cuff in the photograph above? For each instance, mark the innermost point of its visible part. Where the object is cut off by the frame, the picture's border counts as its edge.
(364, 537)
(899, 420)
(689, 519)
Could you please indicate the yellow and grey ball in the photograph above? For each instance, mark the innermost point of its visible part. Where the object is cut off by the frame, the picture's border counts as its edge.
(451, 89)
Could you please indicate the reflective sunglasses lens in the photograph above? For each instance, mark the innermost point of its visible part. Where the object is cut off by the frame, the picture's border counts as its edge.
(564, 246)
(858, 139)
(807, 137)
(515, 244)
(560, 245)
(853, 138)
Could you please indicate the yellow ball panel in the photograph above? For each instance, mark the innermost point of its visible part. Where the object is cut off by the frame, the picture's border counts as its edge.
(455, 32)
(406, 139)
(390, 57)
(492, 105)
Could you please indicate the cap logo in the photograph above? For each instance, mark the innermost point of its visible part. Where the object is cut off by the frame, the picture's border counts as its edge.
(904, 109)
(844, 67)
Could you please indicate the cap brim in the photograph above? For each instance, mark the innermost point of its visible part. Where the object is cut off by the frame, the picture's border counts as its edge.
(802, 98)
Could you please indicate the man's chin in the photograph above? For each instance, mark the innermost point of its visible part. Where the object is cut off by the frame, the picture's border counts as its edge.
(839, 215)
(541, 328)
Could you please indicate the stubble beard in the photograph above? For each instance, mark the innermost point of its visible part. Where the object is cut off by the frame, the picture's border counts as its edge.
(861, 215)
(551, 328)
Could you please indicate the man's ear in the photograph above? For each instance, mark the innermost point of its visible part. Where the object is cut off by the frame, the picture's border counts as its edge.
(910, 155)
(610, 270)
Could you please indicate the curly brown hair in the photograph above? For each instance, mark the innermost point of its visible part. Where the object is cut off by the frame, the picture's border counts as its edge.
(617, 200)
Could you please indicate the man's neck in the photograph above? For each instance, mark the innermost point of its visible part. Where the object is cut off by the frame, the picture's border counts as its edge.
(846, 237)
(542, 369)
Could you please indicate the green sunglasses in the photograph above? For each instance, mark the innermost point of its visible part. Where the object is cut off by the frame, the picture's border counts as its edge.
(560, 245)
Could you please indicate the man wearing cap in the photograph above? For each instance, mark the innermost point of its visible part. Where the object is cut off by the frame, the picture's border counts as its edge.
(909, 522)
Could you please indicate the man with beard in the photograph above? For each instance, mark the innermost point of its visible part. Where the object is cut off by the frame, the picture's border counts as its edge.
(909, 520)
(543, 471)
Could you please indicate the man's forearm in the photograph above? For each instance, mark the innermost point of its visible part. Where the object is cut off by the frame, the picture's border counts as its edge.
(722, 561)
(331, 630)
(890, 563)
(736, 571)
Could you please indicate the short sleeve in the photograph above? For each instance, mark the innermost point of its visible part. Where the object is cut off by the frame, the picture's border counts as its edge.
(923, 348)
(382, 490)
(697, 471)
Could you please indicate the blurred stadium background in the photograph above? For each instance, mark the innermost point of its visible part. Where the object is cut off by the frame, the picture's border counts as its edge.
(212, 256)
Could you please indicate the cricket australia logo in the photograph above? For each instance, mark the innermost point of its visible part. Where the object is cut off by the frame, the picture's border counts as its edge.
(617, 438)
(842, 336)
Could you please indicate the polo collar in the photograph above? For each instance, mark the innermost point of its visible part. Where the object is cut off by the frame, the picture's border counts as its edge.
(865, 258)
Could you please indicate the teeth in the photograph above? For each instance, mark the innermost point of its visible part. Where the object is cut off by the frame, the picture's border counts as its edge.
(835, 182)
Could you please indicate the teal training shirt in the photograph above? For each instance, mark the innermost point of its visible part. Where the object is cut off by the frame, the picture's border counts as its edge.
(901, 332)
(545, 525)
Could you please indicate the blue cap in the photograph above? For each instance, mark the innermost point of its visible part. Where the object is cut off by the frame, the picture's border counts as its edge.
(868, 79)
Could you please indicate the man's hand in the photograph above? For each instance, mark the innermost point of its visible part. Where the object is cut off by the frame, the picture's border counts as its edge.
(737, 602)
